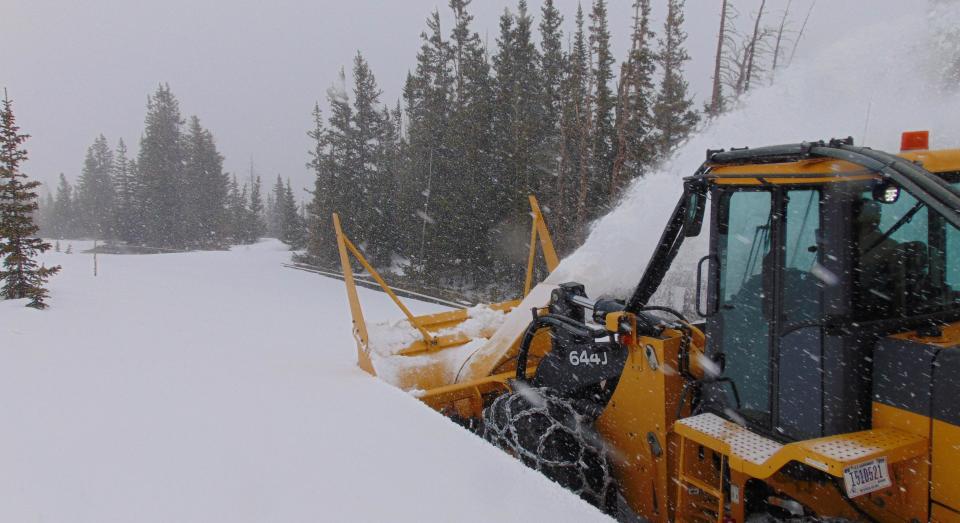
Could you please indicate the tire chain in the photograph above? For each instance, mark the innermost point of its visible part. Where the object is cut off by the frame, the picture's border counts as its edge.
(543, 431)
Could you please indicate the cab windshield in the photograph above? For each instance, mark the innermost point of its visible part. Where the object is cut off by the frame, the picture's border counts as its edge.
(908, 259)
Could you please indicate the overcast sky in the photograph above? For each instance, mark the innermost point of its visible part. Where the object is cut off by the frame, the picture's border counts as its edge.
(252, 70)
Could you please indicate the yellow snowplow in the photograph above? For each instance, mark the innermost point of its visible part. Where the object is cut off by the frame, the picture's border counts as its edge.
(817, 382)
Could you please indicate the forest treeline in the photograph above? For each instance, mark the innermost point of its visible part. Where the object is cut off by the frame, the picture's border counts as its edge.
(436, 186)
(173, 194)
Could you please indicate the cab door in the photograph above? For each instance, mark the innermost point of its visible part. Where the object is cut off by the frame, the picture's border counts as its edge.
(740, 327)
(766, 303)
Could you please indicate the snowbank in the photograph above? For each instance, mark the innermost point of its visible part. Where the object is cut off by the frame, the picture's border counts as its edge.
(222, 387)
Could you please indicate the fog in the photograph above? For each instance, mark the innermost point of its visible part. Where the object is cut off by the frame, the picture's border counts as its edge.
(252, 71)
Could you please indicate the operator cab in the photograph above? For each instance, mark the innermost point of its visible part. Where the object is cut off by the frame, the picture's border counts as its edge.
(801, 252)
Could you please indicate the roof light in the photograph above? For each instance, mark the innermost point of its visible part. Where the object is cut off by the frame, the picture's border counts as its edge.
(915, 141)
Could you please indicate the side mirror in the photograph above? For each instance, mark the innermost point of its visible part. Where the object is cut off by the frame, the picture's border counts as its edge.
(693, 215)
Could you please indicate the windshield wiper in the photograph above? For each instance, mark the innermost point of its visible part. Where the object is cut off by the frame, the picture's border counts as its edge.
(896, 227)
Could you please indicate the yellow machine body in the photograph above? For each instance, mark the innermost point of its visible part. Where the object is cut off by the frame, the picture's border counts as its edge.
(674, 466)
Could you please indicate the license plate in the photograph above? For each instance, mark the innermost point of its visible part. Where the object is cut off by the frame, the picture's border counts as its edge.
(866, 477)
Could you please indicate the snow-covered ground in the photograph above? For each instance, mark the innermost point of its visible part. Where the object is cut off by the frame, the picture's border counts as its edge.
(220, 386)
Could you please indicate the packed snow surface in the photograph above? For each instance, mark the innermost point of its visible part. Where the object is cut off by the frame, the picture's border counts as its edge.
(871, 83)
(221, 386)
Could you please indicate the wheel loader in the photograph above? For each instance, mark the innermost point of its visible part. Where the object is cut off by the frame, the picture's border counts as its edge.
(817, 377)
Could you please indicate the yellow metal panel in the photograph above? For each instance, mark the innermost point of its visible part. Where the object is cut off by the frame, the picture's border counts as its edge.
(945, 484)
(817, 166)
(643, 406)
(761, 458)
(774, 180)
(941, 514)
(949, 337)
(885, 416)
(945, 160)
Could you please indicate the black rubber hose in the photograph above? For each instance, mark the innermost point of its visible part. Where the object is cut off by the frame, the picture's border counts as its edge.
(665, 309)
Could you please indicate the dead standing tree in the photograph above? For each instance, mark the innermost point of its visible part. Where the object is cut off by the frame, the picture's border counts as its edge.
(716, 100)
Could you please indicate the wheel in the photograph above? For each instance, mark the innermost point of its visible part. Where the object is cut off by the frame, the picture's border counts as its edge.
(544, 431)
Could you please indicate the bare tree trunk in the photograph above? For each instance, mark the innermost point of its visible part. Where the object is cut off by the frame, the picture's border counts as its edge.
(585, 132)
(752, 49)
(625, 113)
(802, 29)
(783, 24)
(717, 91)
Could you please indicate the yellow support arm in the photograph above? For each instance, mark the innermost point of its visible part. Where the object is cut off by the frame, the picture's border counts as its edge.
(539, 228)
(346, 248)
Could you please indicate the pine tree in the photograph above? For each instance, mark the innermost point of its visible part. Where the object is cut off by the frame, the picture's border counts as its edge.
(367, 183)
(258, 225)
(603, 133)
(320, 245)
(160, 170)
(339, 140)
(293, 231)
(553, 65)
(21, 276)
(673, 111)
(126, 209)
(427, 96)
(204, 190)
(64, 211)
(271, 215)
(635, 128)
(576, 163)
(95, 191)
(46, 220)
(467, 160)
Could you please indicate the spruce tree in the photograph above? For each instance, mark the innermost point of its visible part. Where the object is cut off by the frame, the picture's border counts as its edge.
(258, 225)
(368, 186)
(673, 111)
(573, 183)
(95, 191)
(126, 208)
(160, 170)
(20, 274)
(293, 233)
(64, 211)
(320, 244)
(603, 133)
(204, 190)
(520, 117)
(553, 67)
(339, 140)
(635, 128)
(427, 96)
(467, 143)
(553, 64)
